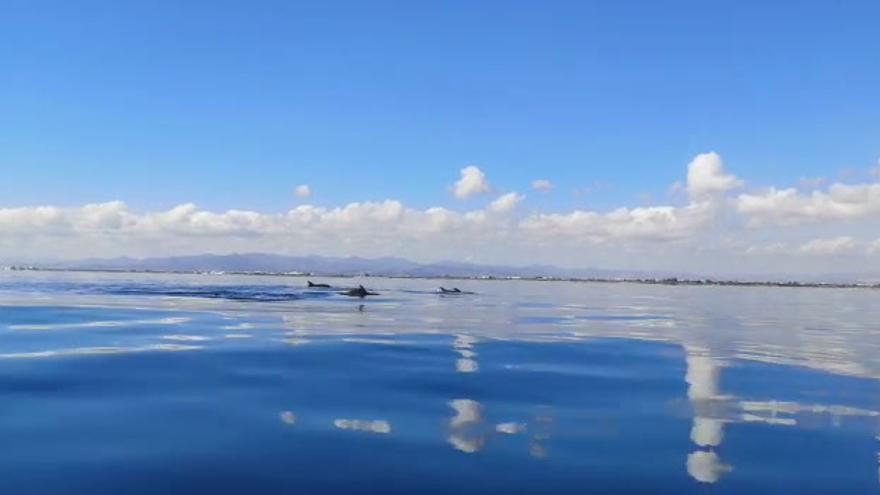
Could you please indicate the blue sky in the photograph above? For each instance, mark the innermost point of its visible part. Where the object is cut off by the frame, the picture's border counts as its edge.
(230, 105)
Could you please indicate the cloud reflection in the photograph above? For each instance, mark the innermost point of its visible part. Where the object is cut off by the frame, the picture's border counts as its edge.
(372, 426)
(464, 346)
(712, 409)
(702, 376)
(706, 467)
(466, 427)
(85, 351)
(287, 417)
(707, 432)
(103, 324)
(185, 338)
(541, 434)
(466, 366)
(510, 428)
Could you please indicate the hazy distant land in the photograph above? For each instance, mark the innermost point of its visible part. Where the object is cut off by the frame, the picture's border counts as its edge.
(315, 266)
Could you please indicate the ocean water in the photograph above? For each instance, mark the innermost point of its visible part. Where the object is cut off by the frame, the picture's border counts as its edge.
(180, 384)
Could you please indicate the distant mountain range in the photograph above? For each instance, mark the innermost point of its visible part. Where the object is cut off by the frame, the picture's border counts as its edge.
(400, 267)
(321, 265)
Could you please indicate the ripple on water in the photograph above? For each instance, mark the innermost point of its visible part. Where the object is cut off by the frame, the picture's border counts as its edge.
(542, 388)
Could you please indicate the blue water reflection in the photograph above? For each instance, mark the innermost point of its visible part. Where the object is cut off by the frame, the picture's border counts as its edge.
(521, 387)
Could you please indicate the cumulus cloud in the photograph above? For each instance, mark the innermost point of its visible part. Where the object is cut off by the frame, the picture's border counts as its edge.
(381, 228)
(657, 223)
(506, 202)
(542, 185)
(37, 219)
(710, 220)
(706, 177)
(790, 207)
(303, 191)
(472, 182)
(834, 245)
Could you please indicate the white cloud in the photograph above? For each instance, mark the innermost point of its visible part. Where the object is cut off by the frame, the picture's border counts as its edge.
(38, 219)
(769, 249)
(542, 185)
(834, 245)
(656, 223)
(303, 191)
(708, 224)
(379, 228)
(472, 182)
(506, 202)
(706, 177)
(789, 207)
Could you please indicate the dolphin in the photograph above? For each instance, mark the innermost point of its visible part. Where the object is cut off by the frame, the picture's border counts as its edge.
(313, 285)
(359, 292)
(455, 291)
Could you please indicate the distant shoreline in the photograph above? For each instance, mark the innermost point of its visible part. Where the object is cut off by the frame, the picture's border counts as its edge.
(622, 280)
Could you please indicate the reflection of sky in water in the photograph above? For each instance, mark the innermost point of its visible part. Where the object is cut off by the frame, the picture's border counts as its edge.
(545, 386)
(373, 426)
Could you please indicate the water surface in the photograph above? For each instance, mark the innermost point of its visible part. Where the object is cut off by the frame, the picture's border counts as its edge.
(114, 383)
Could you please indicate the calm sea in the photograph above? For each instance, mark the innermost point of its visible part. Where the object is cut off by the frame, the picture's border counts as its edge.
(167, 384)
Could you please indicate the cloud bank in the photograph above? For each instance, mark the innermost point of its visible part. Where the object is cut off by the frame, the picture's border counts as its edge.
(720, 223)
(783, 207)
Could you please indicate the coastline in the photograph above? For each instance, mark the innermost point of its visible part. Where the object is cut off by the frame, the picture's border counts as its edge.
(669, 281)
